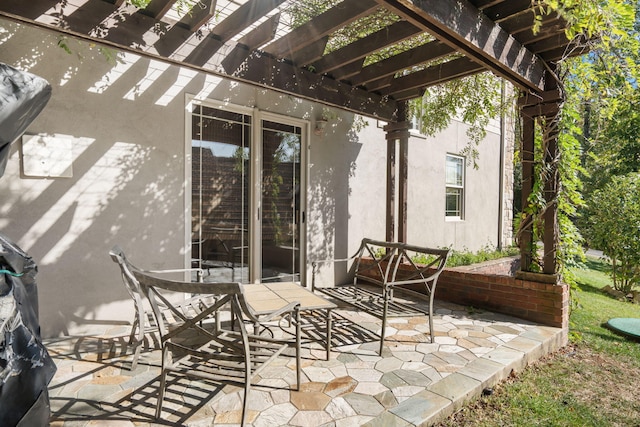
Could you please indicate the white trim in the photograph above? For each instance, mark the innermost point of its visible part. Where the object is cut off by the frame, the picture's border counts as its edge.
(255, 199)
(415, 131)
(461, 187)
(188, 165)
(304, 126)
(213, 103)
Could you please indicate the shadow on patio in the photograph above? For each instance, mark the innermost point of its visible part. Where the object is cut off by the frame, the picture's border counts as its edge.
(415, 382)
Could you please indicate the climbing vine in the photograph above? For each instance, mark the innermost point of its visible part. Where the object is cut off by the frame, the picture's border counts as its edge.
(476, 100)
(602, 77)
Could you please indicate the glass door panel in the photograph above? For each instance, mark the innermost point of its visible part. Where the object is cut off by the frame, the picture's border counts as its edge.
(220, 193)
(280, 191)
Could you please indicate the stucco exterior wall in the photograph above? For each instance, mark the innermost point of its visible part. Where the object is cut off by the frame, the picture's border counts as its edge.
(127, 185)
(429, 226)
(126, 117)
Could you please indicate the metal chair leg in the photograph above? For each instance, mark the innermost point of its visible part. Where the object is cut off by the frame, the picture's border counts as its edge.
(384, 320)
(163, 380)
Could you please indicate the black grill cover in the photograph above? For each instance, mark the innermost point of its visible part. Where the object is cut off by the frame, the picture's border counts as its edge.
(25, 365)
(22, 97)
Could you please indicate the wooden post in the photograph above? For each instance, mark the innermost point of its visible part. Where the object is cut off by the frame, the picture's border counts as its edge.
(527, 161)
(551, 158)
(391, 189)
(545, 105)
(397, 132)
(551, 237)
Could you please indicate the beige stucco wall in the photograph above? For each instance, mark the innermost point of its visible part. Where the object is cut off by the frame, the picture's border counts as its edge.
(127, 121)
(127, 184)
(429, 226)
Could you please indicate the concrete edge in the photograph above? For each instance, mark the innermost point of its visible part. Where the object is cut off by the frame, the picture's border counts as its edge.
(443, 398)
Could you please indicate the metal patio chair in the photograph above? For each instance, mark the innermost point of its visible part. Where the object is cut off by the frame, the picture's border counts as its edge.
(143, 321)
(198, 346)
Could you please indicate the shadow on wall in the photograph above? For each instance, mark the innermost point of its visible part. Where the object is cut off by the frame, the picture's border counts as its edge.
(125, 119)
(329, 194)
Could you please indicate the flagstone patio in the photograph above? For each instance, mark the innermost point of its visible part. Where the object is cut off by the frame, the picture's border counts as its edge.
(414, 382)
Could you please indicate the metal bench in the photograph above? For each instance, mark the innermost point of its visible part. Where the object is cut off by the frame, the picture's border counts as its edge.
(390, 267)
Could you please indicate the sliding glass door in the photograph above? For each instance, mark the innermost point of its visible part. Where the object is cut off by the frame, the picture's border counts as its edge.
(221, 151)
(247, 214)
(280, 191)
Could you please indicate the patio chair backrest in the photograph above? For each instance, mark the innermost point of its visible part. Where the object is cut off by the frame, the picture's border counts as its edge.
(130, 282)
(141, 319)
(169, 312)
(155, 289)
(192, 329)
(151, 288)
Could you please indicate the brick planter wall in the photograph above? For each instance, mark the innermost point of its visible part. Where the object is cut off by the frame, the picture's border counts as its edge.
(490, 286)
(540, 302)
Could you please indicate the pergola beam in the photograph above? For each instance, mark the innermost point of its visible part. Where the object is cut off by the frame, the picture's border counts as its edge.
(390, 66)
(158, 8)
(440, 73)
(504, 9)
(468, 30)
(244, 16)
(319, 27)
(200, 13)
(365, 46)
(272, 73)
(475, 32)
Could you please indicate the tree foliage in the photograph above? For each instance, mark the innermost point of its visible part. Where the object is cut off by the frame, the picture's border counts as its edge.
(474, 99)
(182, 6)
(602, 80)
(610, 104)
(602, 100)
(612, 148)
(139, 3)
(613, 217)
(604, 88)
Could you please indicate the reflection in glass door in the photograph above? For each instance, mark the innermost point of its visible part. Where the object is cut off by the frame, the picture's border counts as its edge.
(280, 192)
(220, 193)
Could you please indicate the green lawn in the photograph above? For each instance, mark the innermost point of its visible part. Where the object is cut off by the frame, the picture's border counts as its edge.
(595, 381)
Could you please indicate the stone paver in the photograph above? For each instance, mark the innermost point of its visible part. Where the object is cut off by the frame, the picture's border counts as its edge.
(415, 382)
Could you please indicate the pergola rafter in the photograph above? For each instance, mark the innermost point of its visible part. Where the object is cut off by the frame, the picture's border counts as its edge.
(496, 35)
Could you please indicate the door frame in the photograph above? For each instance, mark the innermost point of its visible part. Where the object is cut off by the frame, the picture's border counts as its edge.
(255, 174)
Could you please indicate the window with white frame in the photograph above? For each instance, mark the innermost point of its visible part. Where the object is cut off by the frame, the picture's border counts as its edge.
(454, 179)
(416, 124)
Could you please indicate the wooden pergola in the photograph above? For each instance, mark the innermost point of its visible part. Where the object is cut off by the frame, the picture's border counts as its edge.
(287, 46)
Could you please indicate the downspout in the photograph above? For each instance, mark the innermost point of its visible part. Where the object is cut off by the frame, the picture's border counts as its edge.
(502, 168)
(403, 170)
